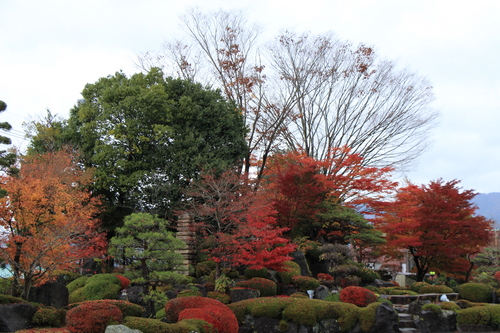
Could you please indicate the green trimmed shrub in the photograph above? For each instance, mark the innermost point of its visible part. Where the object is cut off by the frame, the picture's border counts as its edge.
(417, 285)
(76, 296)
(305, 283)
(435, 289)
(252, 273)
(189, 293)
(432, 307)
(449, 306)
(147, 325)
(76, 284)
(266, 287)
(221, 297)
(49, 317)
(367, 275)
(7, 299)
(475, 292)
(100, 289)
(292, 269)
(478, 315)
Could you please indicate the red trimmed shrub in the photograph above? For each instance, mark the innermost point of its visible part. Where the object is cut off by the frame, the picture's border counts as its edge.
(124, 282)
(357, 295)
(92, 317)
(222, 318)
(127, 308)
(497, 276)
(266, 286)
(176, 305)
(324, 277)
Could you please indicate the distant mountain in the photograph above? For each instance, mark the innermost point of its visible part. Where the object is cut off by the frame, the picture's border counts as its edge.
(489, 206)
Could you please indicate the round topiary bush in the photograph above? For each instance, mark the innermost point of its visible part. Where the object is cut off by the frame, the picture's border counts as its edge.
(127, 308)
(221, 318)
(102, 286)
(292, 269)
(265, 286)
(435, 289)
(49, 317)
(124, 282)
(252, 273)
(305, 283)
(76, 284)
(417, 285)
(92, 317)
(358, 296)
(475, 292)
(324, 277)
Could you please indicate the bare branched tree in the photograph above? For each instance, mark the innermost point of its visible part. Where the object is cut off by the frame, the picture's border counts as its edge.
(315, 93)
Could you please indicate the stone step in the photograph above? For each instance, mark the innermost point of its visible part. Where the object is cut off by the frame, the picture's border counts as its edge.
(408, 329)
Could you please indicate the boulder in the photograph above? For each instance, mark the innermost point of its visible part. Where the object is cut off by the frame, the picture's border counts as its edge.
(242, 294)
(16, 317)
(135, 295)
(300, 259)
(386, 320)
(432, 322)
(120, 329)
(321, 292)
(52, 294)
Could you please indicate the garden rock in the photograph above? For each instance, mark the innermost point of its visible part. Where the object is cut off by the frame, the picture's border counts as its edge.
(53, 294)
(242, 294)
(321, 292)
(386, 320)
(266, 324)
(300, 259)
(444, 322)
(134, 294)
(120, 329)
(15, 317)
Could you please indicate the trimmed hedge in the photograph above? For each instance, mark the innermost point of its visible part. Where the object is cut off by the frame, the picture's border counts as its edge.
(92, 317)
(358, 296)
(305, 283)
(147, 325)
(292, 269)
(435, 289)
(476, 292)
(127, 308)
(265, 286)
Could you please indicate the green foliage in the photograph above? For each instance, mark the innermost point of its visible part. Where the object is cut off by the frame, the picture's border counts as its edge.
(146, 325)
(101, 286)
(77, 283)
(305, 283)
(367, 316)
(6, 285)
(435, 289)
(265, 286)
(478, 315)
(251, 273)
(417, 285)
(222, 297)
(486, 278)
(367, 275)
(49, 317)
(128, 127)
(449, 306)
(7, 299)
(292, 269)
(433, 308)
(475, 292)
(205, 268)
(189, 293)
(223, 283)
(76, 296)
(333, 298)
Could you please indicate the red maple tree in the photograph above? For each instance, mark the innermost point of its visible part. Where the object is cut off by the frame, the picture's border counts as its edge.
(436, 223)
(47, 219)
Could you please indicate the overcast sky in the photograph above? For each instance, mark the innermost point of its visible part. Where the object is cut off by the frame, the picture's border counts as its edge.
(49, 50)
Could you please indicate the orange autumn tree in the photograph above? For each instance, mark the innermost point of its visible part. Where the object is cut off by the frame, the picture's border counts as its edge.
(436, 223)
(48, 219)
(324, 197)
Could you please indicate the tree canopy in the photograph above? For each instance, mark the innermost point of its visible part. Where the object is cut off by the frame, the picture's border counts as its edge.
(436, 223)
(147, 136)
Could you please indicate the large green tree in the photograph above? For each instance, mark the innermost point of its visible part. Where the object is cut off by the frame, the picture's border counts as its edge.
(148, 136)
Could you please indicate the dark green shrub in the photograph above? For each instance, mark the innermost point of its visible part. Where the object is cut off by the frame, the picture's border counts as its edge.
(146, 325)
(476, 292)
(100, 289)
(432, 307)
(367, 275)
(204, 268)
(265, 286)
(49, 317)
(78, 283)
(251, 273)
(305, 283)
(292, 269)
(222, 297)
(6, 285)
(435, 289)
(417, 285)
(7, 299)
(76, 296)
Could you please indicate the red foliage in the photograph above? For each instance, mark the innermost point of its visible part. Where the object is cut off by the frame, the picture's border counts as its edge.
(196, 307)
(324, 277)
(497, 275)
(357, 295)
(222, 318)
(92, 317)
(124, 282)
(436, 223)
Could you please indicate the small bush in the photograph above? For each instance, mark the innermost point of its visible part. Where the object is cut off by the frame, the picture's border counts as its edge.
(497, 276)
(189, 293)
(449, 306)
(100, 289)
(432, 307)
(265, 286)
(124, 282)
(305, 283)
(478, 315)
(417, 285)
(49, 317)
(367, 275)
(76, 284)
(6, 285)
(475, 292)
(324, 277)
(358, 296)
(221, 297)
(221, 317)
(147, 325)
(7, 299)
(92, 317)
(127, 308)
(435, 289)
(251, 273)
(204, 268)
(292, 269)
